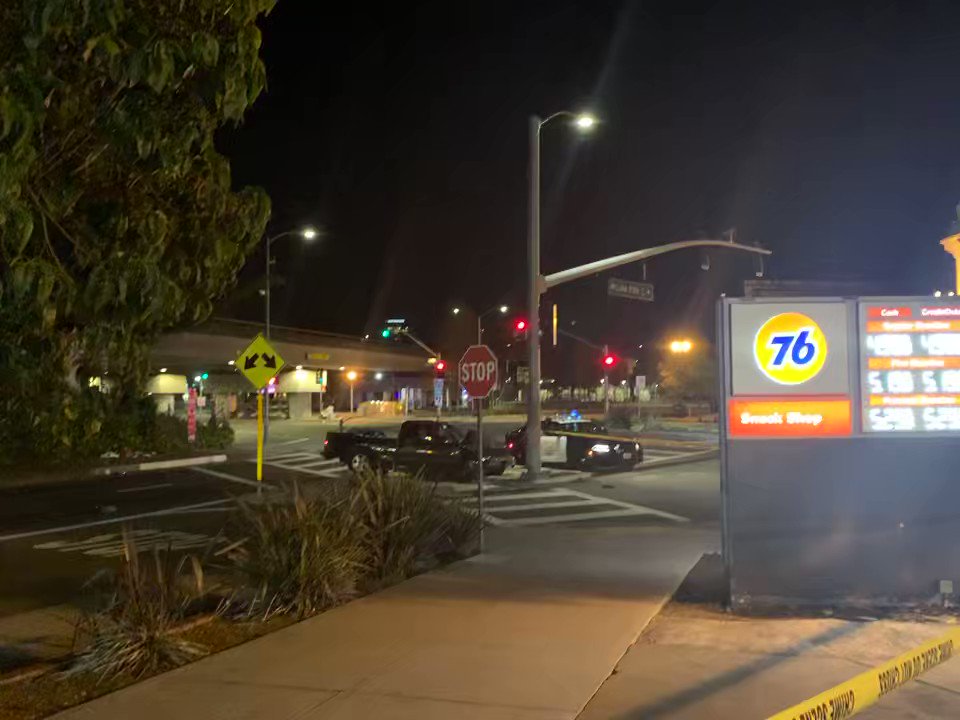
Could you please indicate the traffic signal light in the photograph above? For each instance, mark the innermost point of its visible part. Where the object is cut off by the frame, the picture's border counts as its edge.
(440, 367)
(385, 333)
(520, 326)
(609, 360)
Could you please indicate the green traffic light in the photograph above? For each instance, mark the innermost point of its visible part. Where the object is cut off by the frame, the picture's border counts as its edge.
(205, 376)
(385, 333)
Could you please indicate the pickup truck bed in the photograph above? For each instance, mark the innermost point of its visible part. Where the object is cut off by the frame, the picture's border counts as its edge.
(436, 449)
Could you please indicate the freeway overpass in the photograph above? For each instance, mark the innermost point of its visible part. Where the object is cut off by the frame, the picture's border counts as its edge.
(316, 365)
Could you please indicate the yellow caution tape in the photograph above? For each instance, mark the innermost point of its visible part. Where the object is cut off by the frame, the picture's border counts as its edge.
(847, 699)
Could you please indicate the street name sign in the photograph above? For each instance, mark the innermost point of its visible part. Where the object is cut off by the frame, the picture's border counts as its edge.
(630, 289)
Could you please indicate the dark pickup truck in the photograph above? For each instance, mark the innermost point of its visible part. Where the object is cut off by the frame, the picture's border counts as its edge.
(439, 450)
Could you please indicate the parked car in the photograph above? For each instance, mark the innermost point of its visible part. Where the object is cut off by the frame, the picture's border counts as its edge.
(439, 450)
(575, 442)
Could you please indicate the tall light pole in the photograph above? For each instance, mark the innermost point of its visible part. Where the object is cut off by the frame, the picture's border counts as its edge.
(307, 233)
(351, 378)
(582, 122)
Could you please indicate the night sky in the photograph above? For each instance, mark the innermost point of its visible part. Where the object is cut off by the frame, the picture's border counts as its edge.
(830, 135)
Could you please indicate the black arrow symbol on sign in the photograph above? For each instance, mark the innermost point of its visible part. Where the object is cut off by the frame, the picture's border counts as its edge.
(250, 361)
(269, 361)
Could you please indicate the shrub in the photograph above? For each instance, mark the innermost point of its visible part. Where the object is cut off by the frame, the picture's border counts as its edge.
(214, 435)
(298, 556)
(461, 529)
(620, 416)
(401, 518)
(132, 633)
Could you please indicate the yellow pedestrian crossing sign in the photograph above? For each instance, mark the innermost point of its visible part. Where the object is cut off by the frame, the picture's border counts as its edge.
(259, 362)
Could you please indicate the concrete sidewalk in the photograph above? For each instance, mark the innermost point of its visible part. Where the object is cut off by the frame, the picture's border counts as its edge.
(529, 631)
(697, 661)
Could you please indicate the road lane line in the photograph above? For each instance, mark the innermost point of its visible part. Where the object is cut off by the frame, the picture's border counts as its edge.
(110, 521)
(144, 488)
(293, 442)
(233, 478)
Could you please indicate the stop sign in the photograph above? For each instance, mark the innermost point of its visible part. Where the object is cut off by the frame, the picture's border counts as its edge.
(478, 371)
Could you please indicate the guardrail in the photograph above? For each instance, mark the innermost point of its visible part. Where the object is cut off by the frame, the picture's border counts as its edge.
(849, 698)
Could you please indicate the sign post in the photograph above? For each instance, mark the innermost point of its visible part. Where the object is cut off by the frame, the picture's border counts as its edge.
(192, 416)
(478, 376)
(259, 364)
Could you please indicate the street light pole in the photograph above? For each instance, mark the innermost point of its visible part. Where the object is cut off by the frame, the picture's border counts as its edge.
(308, 233)
(532, 451)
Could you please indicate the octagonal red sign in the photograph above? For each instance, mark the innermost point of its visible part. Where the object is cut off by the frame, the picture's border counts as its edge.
(478, 371)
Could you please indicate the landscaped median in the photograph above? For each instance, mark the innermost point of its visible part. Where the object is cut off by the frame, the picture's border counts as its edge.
(282, 557)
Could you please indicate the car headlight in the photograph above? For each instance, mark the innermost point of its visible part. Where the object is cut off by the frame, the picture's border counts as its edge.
(600, 448)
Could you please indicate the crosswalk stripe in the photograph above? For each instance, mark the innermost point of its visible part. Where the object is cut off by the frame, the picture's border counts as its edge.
(545, 506)
(580, 516)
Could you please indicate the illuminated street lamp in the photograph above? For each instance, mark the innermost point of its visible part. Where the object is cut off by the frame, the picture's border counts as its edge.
(502, 309)
(681, 346)
(351, 377)
(583, 122)
(307, 233)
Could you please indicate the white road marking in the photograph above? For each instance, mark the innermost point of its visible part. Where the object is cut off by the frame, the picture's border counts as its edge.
(111, 521)
(144, 488)
(543, 506)
(575, 517)
(113, 544)
(294, 442)
(305, 462)
(557, 498)
(233, 478)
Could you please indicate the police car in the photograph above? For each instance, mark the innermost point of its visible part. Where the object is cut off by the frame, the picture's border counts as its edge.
(575, 442)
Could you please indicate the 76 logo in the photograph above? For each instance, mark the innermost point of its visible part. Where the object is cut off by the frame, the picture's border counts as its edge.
(796, 348)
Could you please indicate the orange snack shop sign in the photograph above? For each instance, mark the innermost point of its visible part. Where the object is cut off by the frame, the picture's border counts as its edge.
(786, 417)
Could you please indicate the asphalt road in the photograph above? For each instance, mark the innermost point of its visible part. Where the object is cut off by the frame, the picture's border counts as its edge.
(54, 538)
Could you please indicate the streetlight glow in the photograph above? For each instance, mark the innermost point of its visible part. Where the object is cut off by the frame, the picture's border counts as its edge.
(456, 311)
(309, 233)
(378, 376)
(585, 121)
(352, 375)
(681, 346)
(504, 309)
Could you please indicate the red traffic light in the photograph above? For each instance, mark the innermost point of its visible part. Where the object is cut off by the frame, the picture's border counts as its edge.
(440, 366)
(609, 360)
(520, 325)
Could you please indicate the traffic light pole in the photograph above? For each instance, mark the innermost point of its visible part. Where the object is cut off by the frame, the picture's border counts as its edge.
(606, 382)
(538, 284)
(532, 451)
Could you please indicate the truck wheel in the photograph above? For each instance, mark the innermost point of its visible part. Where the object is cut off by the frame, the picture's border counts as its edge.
(360, 462)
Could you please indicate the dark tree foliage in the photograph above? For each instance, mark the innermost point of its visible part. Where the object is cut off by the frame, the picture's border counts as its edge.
(117, 214)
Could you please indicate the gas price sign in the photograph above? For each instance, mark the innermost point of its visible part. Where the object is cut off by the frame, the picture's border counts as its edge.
(910, 367)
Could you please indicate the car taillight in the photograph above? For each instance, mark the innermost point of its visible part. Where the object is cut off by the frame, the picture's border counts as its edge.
(325, 442)
(509, 446)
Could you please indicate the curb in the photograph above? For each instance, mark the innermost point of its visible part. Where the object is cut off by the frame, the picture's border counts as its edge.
(160, 465)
